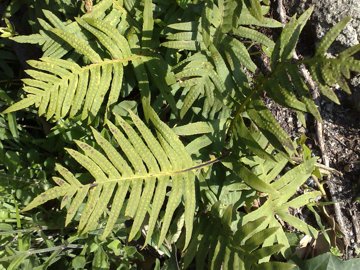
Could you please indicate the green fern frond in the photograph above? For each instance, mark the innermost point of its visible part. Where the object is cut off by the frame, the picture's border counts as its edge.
(57, 48)
(266, 122)
(254, 36)
(63, 88)
(246, 18)
(148, 24)
(184, 26)
(216, 246)
(244, 138)
(324, 89)
(278, 204)
(281, 91)
(350, 51)
(30, 39)
(198, 78)
(227, 9)
(146, 168)
(99, 9)
(239, 49)
(187, 39)
(303, 91)
(254, 7)
(331, 71)
(288, 40)
(330, 36)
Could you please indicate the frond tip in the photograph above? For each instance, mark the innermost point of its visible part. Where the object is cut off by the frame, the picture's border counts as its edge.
(59, 88)
(144, 168)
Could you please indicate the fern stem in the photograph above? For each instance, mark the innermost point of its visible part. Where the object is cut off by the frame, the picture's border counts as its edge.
(246, 102)
(31, 229)
(160, 174)
(43, 250)
(113, 61)
(206, 163)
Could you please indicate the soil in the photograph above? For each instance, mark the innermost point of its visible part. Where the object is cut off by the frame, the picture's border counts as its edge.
(341, 133)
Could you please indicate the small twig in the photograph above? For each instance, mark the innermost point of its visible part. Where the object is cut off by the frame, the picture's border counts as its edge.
(356, 225)
(328, 169)
(282, 12)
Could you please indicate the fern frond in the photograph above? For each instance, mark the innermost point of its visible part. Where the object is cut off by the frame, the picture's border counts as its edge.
(227, 9)
(324, 89)
(266, 122)
(281, 91)
(303, 91)
(244, 138)
(278, 204)
(254, 7)
(254, 36)
(187, 39)
(147, 167)
(216, 246)
(198, 78)
(246, 18)
(62, 88)
(330, 36)
(148, 24)
(239, 49)
(57, 48)
(328, 72)
(288, 40)
(99, 9)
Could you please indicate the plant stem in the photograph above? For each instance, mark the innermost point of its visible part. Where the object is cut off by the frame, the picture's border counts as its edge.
(42, 250)
(246, 102)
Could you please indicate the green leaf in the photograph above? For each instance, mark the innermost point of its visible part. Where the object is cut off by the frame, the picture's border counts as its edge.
(328, 261)
(254, 8)
(275, 266)
(157, 162)
(63, 88)
(22, 104)
(263, 118)
(101, 260)
(255, 182)
(79, 45)
(287, 42)
(47, 196)
(254, 36)
(330, 36)
(194, 128)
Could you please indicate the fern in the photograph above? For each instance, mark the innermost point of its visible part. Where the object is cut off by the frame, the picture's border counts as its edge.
(60, 87)
(192, 64)
(216, 246)
(145, 169)
(328, 72)
(280, 191)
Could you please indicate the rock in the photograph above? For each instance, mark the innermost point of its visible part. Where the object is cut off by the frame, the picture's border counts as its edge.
(328, 12)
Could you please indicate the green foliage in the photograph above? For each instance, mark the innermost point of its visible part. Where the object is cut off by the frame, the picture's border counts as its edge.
(328, 261)
(114, 175)
(216, 240)
(182, 158)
